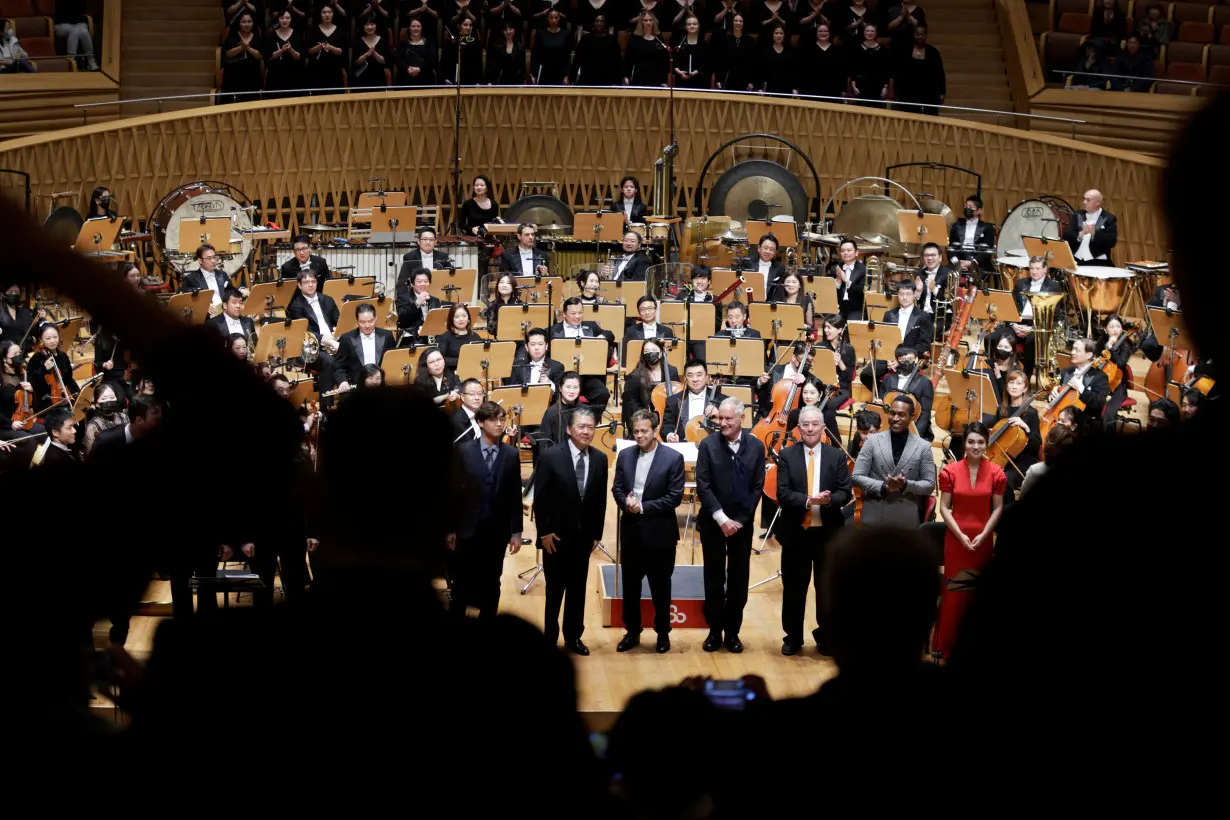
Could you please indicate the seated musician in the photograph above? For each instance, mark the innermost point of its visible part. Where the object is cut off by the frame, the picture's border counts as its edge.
(322, 316)
(1016, 397)
(505, 295)
(237, 344)
(764, 260)
(810, 396)
(1189, 403)
(736, 326)
(536, 367)
(590, 282)
(794, 370)
(696, 399)
(434, 376)
(791, 293)
(415, 301)
(107, 415)
(650, 371)
(836, 343)
(648, 328)
(1163, 414)
(456, 334)
(904, 378)
(1037, 282)
(971, 232)
(362, 348)
(866, 423)
(231, 321)
(464, 420)
(209, 276)
(303, 260)
(424, 257)
(11, 380)
(851, 276)
(916, 330)
(1088, 381)
(62, 432)
(49, 363)
(371, 376)
(1001, 358)
(1115, 340)
(634, 265)
(930, 284)
(573, 326)
(1165, 296)
(701, 278)
(525, 259)
(554, 427)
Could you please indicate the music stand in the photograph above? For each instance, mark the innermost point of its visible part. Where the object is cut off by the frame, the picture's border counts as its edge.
(608, 317)
(920, 227)
(973, 391)
(374, 199)
(85, 397)
(1169, 329)
(193, 307)
(822, 366)
(728, 356)
(675, 356)
(525, 403)
(999, 305)
(265, 297)
(886, 337)
(547, 290)
(348, 321)
(675, 316)
(281, 339)
(622, 292)
(400, 363)
(212, 230)
(786, 233)
(486, 361)
(594, 227)
(723, 278)
(824, 291)
(397, 219)
(702, 319)
(588, 357)
(357, 286)
(516, 320)
(881, 303)
(436, 323)
(1055, 251)
(775, 321)
(303, 390)
(454, 285)
(98, 234)
(502, 228)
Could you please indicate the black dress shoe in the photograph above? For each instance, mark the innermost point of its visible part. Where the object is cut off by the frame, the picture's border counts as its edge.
(790, 647)
(628, 642)
(734, 644)
(664, 644)
(576, 647)
(713, 643)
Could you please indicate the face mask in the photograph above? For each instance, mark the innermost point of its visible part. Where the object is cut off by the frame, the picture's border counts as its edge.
(110, 407)
(13, 298)
(969, 213)
(1002, 355)
(651, 358)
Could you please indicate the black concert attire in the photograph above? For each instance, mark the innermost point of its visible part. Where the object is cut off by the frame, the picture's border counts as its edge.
(324, 68)
(1020, 293)
(36, 373)
(413, 262)
(291, 268)
(472, 216)
(695, 55)
(504, 67)
(370, 73)
(300, 308)
(1119, 357)
(729, 484)
(844, 380)
(778, 72)
(554, 427)
(285, 73)
(1103, 240)
(646, 62)
(984, 235)
(243, 71)
(247, 328)
(13, 325)
(551, 55)
(350, 358)
(1029, 456)
(740, 63)
(593, 388)
(195, 281)
(471, 61)
(674, 422)
(928, 301)
(920, 80)
(634, 268)
(850, 297)
(421, 56)
(871, 70)
(637, 333)
(597, 60)
(510, 260)
(1097, 389)
(450, 345)
(648, 537)
(638, 391)
(570, 503)
(522, 371)
(920, 388)
(491, 475)
(821, 72)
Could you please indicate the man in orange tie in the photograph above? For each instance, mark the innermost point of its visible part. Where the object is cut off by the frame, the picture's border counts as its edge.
(813, 484)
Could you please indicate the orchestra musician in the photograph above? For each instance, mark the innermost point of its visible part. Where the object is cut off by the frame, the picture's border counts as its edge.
(702, 400)
(1017, 395)
(791, 293)
(701, 277)
(42, 366)
(813, 485)
(736, 326)
(633, 208)
(554, 426)
(866, 423)
(573, 326)
(1189, 403)
(1121, 350)
(12, 379)
(836, 343)
(237, 343)
(16, 320)
(1001, 358)
(424, 257)
(570, 511)
(810, 396)
(895, 471)
(208, 276)
(480, 208)
(1093, 232)
(322, 316)
(231, 321)
(915, 325)
(794, 369)
(634, 265)
(1163, 414)
(372, 376)
(457, 334)
(1038, 282)
(650, 371)
(505, 294)
(851, 276)
(303, 260)
(362, 347)
(491, 474)
(930, 284)
(971, 232)
(904, 377)
(648, 327)
(648, 486)
(62, 433)
(764, 260)
(1087, 380)
(730, 472)
(434, 376)
(536, 367)
(465, 419)
(1061, 437)
(590, 283)
(415, 302)
(525, 259)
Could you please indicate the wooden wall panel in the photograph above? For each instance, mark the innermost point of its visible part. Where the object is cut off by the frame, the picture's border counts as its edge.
(585, 140)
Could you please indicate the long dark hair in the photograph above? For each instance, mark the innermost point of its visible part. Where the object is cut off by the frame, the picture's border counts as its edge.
(640, 373)
(96, 208)
(422, 376)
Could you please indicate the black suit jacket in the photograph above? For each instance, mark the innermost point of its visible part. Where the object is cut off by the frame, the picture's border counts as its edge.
(850, 299)
(639, 210)
(920, 388)
(671, 423)
(918, 333)
(773, 281)
(195, 280)
(299, 309)
(500, 512)
(414, 261)
(984, 234)
(460, 423)
(521, 371)
(655, 527)
(941, 282)
(592, 330)
(1097, 388)
(109, 444)
(350, 352)
(510, 260)
(1104, 238)
(218, 323)
(637, 331)
(637, 269)
(792, 490)
(1020, 293)
(558, 507)
(107, 349)
(715, 476)
(12, 328)
(290, 269)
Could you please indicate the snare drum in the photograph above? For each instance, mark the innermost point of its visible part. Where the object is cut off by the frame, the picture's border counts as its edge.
(1010, 269)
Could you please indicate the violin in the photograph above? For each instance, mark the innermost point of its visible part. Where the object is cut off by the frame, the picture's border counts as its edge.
(1007, 440)
(24, 413)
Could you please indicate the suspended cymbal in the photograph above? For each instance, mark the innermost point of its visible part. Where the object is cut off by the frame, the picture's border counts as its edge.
(934, 206)
(873, 218)
(758, 190)
(554, 228)
(732, 235)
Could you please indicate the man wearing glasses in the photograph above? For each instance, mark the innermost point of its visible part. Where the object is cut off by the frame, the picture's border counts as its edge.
(647, 309)
(210, 276)
(465, 425)
(305, 260)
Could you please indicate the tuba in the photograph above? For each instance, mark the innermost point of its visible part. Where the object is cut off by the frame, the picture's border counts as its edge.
(1045, 333)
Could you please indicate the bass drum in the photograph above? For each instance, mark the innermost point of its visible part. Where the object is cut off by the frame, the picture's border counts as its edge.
(189, 204)
(1033, 217)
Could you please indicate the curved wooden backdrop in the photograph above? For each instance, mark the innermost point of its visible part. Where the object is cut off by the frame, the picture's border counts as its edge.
(321, 151)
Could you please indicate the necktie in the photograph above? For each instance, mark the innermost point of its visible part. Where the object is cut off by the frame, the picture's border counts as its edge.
(581, 475)
(489, 454)
(813, 516)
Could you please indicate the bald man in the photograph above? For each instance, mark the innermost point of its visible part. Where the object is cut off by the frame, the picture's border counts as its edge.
(1093, 232)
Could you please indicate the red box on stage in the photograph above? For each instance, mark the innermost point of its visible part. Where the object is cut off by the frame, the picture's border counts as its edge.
(687, 599)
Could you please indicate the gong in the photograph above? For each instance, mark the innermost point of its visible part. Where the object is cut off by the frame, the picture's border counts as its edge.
(539, 209)
(63, 224)
(873, 217)
(934, 206)
(757, 189)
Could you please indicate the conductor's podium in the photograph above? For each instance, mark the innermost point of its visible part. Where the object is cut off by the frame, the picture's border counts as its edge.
(687, 598)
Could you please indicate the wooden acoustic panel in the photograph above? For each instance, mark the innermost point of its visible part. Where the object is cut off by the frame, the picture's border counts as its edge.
(302, 159)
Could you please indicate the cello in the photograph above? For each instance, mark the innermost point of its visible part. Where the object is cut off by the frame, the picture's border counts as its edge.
(784, 395)
(1067, 398)
(1007, 441)
(1113, 372)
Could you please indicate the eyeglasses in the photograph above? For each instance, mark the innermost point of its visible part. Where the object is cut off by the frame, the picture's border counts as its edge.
(474, 395)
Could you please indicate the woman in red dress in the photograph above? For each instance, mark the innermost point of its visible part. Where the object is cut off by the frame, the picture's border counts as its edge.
(971, 502)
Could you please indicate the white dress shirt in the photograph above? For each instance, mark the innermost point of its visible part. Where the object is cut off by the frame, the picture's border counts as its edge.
(210, 283)
(971, 231)
(696, 404)
(789, 371)
(1034, 287)
(928, 278)
(571, 332)
(233, 326)
(650, 331)
(527, 261)
(764, 267)
(903, 319)
(644, 462)
(619, 268)
(314, 304)
(473, 422)
(845, 289)
(537, 368)
(903, 380)
(629, 204)
(1083, 253)
(367, 342)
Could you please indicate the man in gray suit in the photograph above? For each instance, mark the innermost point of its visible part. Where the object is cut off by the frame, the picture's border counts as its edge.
(895, 471)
